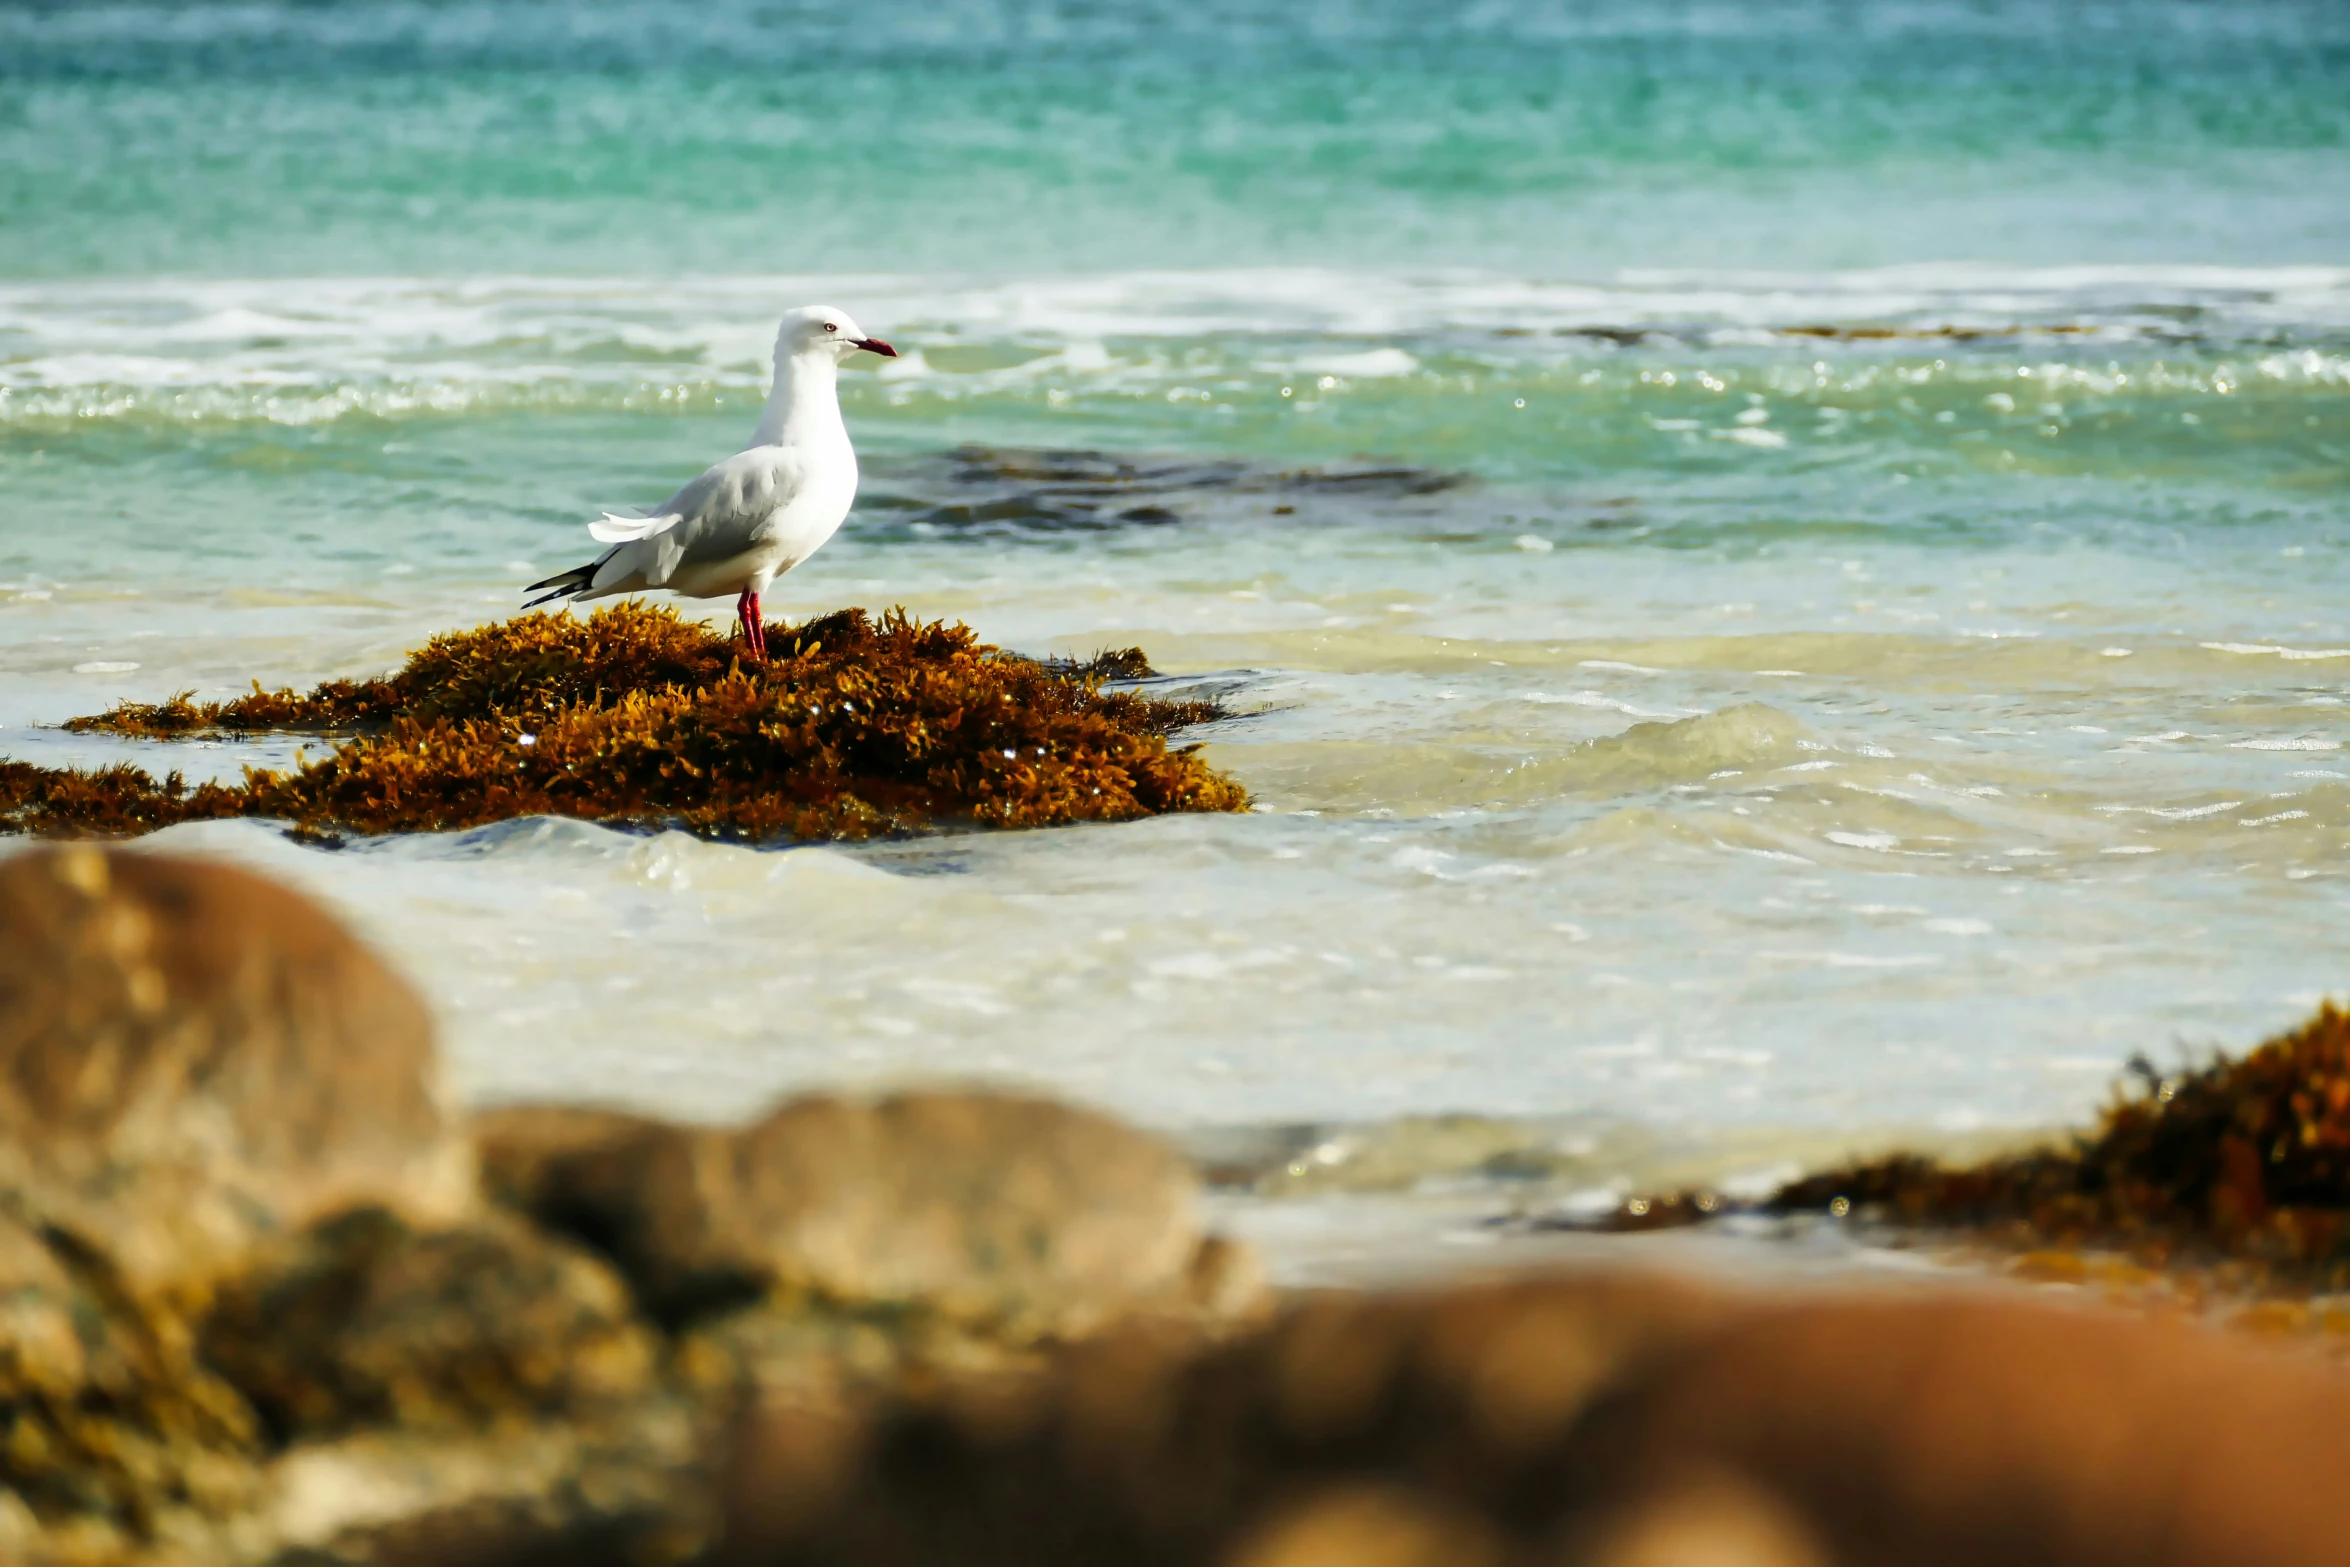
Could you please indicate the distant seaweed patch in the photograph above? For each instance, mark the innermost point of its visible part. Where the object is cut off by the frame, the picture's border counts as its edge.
(2249, 1157)
(634, 716)
(2242, 1159)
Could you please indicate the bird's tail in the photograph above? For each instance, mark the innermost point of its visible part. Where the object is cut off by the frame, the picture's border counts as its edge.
(612, 528)
(564, 583)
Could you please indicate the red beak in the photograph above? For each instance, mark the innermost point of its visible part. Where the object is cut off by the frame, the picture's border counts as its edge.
(876, 346)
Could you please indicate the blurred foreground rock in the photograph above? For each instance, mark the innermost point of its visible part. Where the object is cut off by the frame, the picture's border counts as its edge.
(1591, 1422)
(194, 1063)
(1021, 1214)
(192, 1058)
(257, 1305)
(264, 1301)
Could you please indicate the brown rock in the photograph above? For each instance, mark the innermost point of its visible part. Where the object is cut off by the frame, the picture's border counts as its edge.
(251, 1308)
(535, 1157)
(639, 1190)
(1985, 1429)
(1372, 1525)
(365, 1321)
(977, 1206)
(192, 1061)
(1156, 1445)
(544, 1494)
(106, 1415)
(1697, 1518)
(41, 1353)
(192, 1058)
(1596, 1422)
(1226, 1280)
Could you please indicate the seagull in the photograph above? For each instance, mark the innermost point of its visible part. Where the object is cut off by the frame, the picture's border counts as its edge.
(747, 520)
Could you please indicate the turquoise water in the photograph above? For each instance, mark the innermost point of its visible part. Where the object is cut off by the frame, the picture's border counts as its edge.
(1011, 139)
(1783, 567)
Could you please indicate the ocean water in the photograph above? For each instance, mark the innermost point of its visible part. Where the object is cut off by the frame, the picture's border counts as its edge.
(1782, 570)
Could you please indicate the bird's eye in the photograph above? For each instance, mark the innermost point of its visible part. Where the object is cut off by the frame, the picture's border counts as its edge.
(829, 327)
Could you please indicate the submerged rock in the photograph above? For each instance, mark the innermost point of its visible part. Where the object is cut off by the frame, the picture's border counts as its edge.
(633, 716)
(980, 489)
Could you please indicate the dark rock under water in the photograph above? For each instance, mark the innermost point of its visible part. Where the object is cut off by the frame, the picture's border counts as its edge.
(994, 491)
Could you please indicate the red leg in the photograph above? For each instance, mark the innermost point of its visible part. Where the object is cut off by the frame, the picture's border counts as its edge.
(754, 629)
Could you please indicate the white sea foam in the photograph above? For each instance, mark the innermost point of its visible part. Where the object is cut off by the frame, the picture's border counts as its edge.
(188, 332)
(2292, 653)
(1371, 363)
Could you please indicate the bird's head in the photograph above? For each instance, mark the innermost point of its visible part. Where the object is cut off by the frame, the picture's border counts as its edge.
(820, 329)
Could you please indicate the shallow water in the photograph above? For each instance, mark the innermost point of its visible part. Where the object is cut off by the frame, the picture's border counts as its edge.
(1781, 569)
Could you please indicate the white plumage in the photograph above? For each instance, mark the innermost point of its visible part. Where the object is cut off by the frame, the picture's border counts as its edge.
(745, 521)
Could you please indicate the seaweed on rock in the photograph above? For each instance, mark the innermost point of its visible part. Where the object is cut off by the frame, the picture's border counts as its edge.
(2246, 1158)
(638, 717)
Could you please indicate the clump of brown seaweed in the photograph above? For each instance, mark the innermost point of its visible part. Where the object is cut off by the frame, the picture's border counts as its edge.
(2242, 1158)
(635, 716)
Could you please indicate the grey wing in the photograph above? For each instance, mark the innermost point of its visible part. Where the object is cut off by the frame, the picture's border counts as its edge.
(721, 512)
(715, 517)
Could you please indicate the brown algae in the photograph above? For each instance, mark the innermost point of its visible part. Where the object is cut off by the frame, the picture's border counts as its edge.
(635, 716)
(2245, 1158)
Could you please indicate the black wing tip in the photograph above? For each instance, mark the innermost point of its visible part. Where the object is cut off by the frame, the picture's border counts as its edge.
(565, 584)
